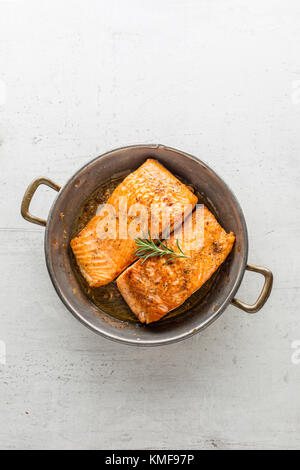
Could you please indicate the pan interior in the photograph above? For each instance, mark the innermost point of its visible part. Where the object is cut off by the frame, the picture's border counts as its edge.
(197, 312)
(108, 298)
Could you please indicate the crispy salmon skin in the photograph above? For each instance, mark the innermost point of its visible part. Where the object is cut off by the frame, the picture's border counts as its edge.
(101, 260)
(155, 287)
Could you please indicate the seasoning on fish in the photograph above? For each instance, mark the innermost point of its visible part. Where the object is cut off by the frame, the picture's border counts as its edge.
(101, 260)
(154, 288)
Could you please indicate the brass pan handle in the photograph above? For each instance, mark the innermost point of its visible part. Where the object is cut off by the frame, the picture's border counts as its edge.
(264, 295)
(29, 195)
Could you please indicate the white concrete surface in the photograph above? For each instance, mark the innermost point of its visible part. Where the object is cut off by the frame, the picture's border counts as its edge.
(218, 79)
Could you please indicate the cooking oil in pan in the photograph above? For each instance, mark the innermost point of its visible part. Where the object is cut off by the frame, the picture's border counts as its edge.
(108, 298)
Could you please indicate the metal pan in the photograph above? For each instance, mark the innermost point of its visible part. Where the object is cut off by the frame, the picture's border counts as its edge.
(221, 201)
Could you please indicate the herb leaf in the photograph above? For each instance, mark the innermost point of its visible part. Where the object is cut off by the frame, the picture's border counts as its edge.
(146, 248)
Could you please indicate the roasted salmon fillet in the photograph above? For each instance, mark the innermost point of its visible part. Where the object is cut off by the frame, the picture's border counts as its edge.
(155, 287)
(101, 260)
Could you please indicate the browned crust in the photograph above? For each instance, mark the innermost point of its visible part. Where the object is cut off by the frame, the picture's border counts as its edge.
(154, 288)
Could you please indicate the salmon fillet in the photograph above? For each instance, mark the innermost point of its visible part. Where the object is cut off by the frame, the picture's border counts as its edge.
(102, 259)
(155, 287)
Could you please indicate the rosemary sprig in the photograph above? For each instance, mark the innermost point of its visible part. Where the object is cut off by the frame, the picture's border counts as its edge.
(146, 248)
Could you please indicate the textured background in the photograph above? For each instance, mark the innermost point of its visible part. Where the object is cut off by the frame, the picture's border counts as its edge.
(220, 80)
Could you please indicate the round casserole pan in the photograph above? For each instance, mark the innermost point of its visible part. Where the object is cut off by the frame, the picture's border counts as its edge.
(221, 201)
